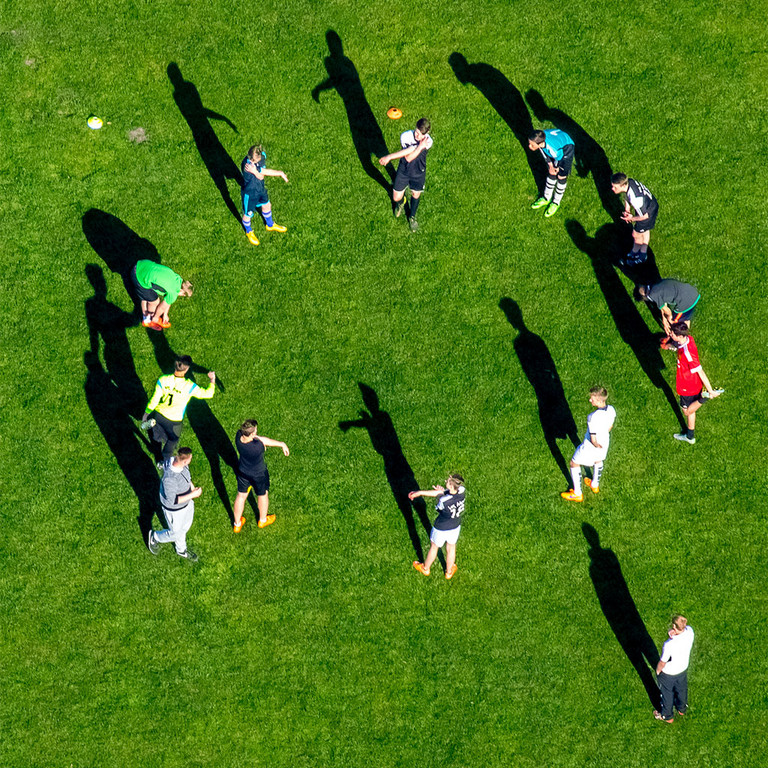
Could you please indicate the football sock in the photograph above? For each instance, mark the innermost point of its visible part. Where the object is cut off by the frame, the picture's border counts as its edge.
(549, 188)
(414, 205)
(247, 223)
(644, 249)
(597, 470)
(689, 433)
(559, 190)
(576, 479)
(268, 218)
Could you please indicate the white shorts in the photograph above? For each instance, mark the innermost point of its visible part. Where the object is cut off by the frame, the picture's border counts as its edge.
(587, 455)
(440, 538)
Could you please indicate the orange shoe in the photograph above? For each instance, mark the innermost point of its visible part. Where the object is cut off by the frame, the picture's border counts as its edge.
(450, 574)
(238, 528)
(163, 323)
(588, 483)
(270, 519)
(420, 568)
(571, 496)
(150, 323)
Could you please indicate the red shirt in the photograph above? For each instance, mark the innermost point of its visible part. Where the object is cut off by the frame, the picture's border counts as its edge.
(688, 367)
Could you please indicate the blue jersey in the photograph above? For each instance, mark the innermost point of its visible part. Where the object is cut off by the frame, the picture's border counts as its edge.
(555, 141)
(252, 185)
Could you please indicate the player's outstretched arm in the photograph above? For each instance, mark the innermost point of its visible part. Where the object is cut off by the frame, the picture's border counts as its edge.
(272, 172)
(326, 85)
(269, 443)
(394, 156)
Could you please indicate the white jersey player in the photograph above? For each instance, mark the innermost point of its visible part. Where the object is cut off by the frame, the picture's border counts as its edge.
(594, 449)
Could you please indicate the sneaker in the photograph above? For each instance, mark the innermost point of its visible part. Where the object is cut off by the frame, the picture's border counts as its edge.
(277, 228)
(399, 207)
(147, 424)
(238, 528)
(588, 483)
(270, 519)
(659, 716)
(163, 323)
(160, 465)
(450, 574)
(188, 554)
(252, 239)
(682, 436)
(414, 225)
(153, 325)
(540, 203)
(146, 321)
(715, 393)
(571, 496)
(552, 210)
(420, 568)
(152, 545)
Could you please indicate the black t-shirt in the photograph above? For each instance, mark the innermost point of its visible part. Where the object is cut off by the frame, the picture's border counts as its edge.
(251, 456)
(449, 509)
(640, 197)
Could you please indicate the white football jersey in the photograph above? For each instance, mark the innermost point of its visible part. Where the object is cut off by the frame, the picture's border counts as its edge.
(599, 423)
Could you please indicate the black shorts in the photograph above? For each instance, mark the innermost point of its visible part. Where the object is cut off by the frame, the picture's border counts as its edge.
(565, 163)
(165, 430)
(648, 224)
(686, 400)
(260, 483)
(404, 179)
(144, 294)
(253, 200)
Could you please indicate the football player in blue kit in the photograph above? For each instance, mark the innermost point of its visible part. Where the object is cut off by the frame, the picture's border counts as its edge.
(412, 168)
(254, 192)
(447, 525)
(557, 149)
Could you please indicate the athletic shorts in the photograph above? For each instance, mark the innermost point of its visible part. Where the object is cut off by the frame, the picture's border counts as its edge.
(689, 313)
(253, 200)
(688, 400)
(587, 455)
(144, 294)
(565, 163)
(165, 430)
(648, 224)
(441, 538)
(260, 484)
(404, 179)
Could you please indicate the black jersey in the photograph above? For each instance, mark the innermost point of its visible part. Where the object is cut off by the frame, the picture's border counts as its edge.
(251, 185)
(640, 197)
(252, 461)
(449, 510)
(419, 166)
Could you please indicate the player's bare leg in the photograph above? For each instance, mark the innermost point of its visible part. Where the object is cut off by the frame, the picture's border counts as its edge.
(237, 509)
(398, 203)
(263, 504)
(450, 560)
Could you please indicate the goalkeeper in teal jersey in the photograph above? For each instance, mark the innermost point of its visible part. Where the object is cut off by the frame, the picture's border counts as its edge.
(169, 404)
(557, 149)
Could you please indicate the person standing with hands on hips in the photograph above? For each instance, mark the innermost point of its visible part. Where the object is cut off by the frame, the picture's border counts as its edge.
(672, 670)
(447, 525)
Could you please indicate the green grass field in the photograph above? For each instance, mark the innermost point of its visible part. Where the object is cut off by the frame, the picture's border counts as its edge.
(313, 642)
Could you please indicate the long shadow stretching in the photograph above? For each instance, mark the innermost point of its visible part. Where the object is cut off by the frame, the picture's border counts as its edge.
(590, 156)
(212, 437)
(118, 246)
(506, 100)
(217, 161)
(629, 322)
(621, 612)
(398, 471)
(366, 133)
(554, 412)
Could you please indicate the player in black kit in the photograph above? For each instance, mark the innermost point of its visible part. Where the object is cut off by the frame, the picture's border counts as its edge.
(447, 525)
(639, 197)
(412, 168)
(252, 472)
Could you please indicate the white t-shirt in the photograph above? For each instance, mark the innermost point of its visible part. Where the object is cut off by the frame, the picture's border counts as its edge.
(599, 423)
(677, 652)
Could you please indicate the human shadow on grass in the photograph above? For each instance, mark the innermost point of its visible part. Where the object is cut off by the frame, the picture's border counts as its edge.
(609, 240)
(398, 471)
(621, 612)
(367, 136)
(213, 439)
(118, 246)
(123, 437)
(216, 159)
(506, 100)
(555, 415)
(589, 155)
(108, 323)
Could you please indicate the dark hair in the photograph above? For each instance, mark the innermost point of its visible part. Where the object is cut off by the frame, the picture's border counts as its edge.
(601, 392)
(537, 137)
(680, 328)
(182, 453)
(182, 362)
(454, 477)
(248, 427)
(619, 178)
(255, 151)
(424, 125)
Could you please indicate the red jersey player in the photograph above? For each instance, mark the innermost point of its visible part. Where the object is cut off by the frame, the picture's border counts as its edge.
(691, 379)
